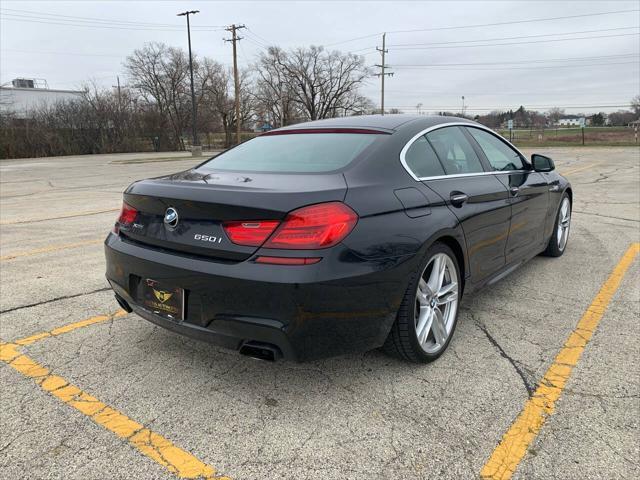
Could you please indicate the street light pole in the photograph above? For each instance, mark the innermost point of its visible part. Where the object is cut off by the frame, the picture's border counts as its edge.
(193, 94)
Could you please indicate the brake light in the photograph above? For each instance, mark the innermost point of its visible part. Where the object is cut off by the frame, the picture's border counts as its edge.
(250, 233)
(127, 216)
(314, 227)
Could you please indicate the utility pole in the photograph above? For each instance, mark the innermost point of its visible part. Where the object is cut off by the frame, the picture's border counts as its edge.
(382, 73)
(463, 105)
(193, 94)
(119, 95)
(234, 39)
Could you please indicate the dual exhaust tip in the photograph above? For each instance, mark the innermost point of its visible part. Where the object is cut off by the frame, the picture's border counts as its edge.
(257, 350)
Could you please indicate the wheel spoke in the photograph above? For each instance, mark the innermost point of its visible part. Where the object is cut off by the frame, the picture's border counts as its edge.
(435, 274)
(563, 237)
(422, 293)
(436, 278)
(438, 327)
(564, 221)
(448, 293)
(424, 325)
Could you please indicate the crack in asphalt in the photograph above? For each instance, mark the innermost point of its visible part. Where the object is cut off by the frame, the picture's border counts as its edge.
(530, 388)
(64, 297)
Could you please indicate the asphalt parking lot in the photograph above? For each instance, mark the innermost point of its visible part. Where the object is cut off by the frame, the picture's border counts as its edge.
(87, 392)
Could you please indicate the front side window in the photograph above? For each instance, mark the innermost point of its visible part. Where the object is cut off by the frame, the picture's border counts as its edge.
(454, 151)
(422, 160)
(294, 153)
(501, 156)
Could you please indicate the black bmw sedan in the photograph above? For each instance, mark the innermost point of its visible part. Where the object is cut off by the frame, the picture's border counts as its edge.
(336, 236)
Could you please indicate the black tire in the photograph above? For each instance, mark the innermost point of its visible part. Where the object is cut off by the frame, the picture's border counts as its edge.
(553, 249)
(402, 341)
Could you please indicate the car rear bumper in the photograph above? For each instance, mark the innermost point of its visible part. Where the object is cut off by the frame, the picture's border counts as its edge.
(341, 304)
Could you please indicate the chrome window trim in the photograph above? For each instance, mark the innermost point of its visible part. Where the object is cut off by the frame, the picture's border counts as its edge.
(404, 150)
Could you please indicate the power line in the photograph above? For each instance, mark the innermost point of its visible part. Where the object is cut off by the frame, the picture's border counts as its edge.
(115, 26)
(600, 57)
(256, 43)
(352, 40)
(93, 19)
(565, 93)
(262, 39)
(478, 25)
(515, 22)
(514, 38)
(44, 52)
(520, 68)
(520, 43)
(445, 107)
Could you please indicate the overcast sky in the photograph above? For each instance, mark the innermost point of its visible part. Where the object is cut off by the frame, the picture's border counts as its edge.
(594, 68)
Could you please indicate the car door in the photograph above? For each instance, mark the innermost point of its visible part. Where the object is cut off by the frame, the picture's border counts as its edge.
(478, 200)
(528, 193)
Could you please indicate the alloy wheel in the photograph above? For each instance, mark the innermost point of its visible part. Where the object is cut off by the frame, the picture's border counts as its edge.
(564, 223)
(436, 303)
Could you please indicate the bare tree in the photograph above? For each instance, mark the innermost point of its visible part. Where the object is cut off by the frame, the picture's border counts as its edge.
(554, 114)
(273, 94)
(216, 84)
(322, 84)
(160, 74)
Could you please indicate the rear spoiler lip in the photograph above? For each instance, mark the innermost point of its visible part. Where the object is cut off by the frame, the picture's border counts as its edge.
(290, 131)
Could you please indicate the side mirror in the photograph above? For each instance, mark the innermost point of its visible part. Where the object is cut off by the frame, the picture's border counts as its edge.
(541, 163)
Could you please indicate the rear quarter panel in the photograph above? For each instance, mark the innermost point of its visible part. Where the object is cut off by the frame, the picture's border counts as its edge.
(385, 229)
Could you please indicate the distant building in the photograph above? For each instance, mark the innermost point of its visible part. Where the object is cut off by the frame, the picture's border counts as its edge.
(26, 94)
(571, 122)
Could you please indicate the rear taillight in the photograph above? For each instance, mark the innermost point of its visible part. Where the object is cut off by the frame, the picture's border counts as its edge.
(127, 216)
(249, 233)
(314, 227)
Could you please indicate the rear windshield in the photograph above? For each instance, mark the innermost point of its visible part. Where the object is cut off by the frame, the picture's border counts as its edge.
(295, 153)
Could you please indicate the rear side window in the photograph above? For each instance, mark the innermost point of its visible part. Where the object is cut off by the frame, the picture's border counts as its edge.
(294, 153)
(500, 155)
(422, 160)
(455, 151)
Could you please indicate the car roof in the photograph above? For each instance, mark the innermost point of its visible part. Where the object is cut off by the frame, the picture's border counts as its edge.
(393, 122)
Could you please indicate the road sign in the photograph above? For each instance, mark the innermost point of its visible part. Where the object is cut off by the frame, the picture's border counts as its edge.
(510, 124)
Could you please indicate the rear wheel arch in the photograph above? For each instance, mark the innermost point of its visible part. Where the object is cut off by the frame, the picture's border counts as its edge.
(569, 192)
(455, 246)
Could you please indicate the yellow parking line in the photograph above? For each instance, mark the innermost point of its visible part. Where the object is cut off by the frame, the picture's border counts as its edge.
(70, 215)
(52, 248)
(69, 328)
(147, 442)
(580, 169)
(514, 444)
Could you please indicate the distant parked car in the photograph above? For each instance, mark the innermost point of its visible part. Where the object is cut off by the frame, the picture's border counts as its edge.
(336, 236)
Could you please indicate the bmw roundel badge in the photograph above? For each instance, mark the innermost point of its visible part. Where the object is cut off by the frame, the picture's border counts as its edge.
(171, 217)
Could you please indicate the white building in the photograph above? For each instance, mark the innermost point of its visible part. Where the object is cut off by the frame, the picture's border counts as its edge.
(571, 122)
(26, 94)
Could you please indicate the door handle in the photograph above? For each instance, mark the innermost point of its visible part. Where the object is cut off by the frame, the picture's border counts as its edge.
(458, 198)
(514, 191)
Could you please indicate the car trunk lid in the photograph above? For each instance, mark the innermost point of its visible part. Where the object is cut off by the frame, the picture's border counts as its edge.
(204, 200)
